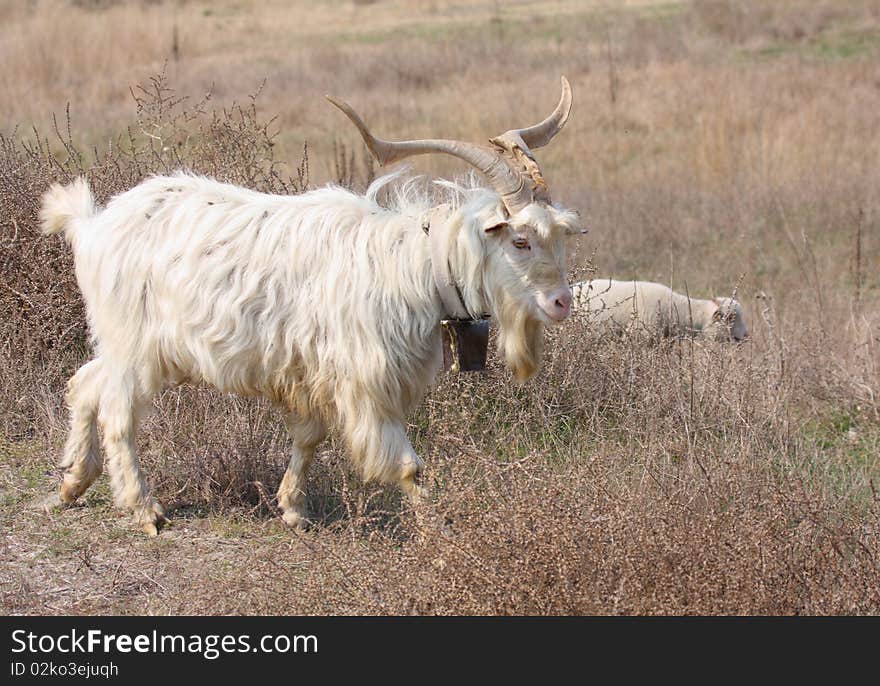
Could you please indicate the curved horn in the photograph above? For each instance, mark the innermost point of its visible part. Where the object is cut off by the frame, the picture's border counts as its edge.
(539, 135)
(489, 161)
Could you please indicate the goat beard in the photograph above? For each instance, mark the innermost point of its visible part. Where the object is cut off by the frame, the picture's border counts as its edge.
(520, 341)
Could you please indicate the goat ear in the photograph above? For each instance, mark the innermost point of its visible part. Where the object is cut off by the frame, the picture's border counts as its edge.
(573, 226)
(497, 221)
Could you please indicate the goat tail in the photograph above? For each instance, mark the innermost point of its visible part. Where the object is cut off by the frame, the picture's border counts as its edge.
(63, 206)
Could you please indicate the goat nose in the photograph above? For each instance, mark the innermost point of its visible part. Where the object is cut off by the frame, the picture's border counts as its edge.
(563, 302)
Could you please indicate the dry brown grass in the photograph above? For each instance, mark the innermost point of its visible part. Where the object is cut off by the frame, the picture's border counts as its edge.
(714, 145)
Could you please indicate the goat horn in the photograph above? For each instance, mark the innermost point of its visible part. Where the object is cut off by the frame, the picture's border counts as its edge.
(538, 135)
(490, 161)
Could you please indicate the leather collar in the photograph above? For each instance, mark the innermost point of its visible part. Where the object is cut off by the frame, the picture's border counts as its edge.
(450, 296)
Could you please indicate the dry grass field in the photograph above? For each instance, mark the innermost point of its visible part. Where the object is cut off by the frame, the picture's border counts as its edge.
(718, 146)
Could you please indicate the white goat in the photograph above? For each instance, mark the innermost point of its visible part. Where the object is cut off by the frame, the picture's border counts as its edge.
(326, 302)
(657, 309)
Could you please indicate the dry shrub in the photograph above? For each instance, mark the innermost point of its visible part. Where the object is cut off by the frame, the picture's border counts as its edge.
(527, 539)
(43, 324)
(629, 479)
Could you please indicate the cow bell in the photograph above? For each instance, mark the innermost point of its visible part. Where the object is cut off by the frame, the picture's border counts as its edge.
(465, 342)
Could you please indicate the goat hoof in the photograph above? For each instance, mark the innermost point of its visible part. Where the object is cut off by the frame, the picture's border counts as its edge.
(416, 493)
(69, 492)
(151, 518)
(150, 529)
(295, 520)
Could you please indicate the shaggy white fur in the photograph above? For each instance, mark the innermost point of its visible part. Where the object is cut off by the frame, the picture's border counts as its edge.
(615, 305)
(324, 302)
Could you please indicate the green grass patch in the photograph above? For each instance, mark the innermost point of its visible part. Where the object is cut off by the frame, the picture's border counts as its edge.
(62, 541)
(847, 45)
(846, 454)
(826, 47)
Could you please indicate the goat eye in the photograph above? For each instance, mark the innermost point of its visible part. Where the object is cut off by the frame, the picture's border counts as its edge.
(521, 243)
